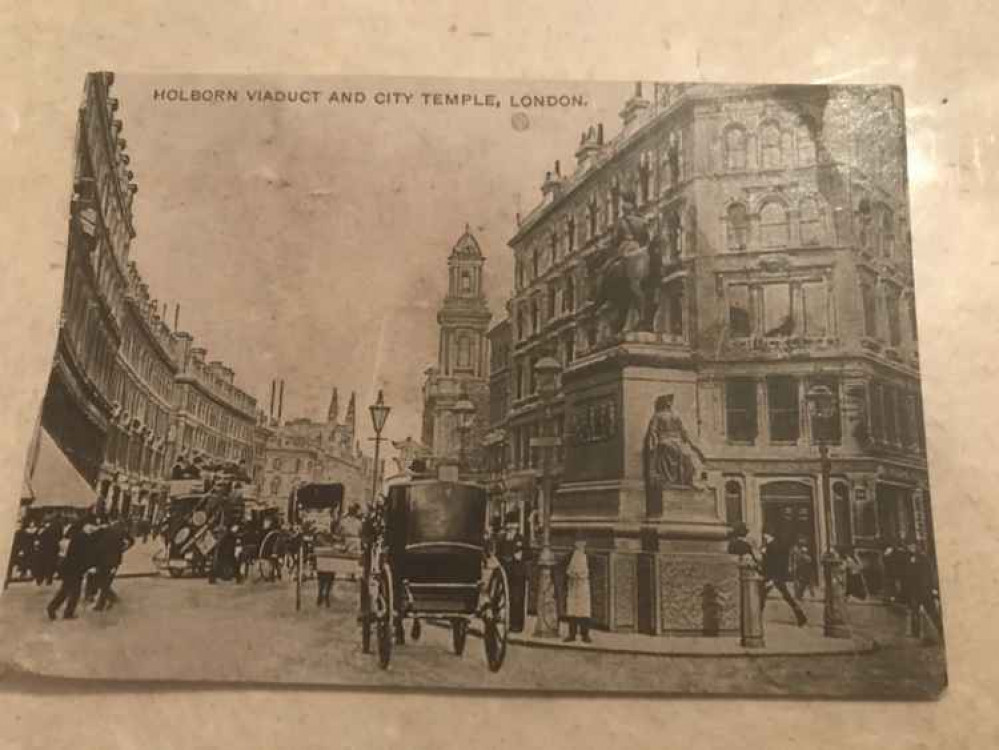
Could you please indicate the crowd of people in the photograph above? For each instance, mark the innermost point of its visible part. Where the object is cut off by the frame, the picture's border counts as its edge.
(907, 575)
(83, 555)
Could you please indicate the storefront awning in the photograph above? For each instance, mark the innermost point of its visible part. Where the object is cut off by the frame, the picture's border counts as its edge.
(55, 482)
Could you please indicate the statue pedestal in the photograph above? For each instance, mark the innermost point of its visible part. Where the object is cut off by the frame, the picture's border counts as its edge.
(659, 563)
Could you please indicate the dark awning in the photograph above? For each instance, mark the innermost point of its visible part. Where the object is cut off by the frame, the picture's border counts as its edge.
(55, 482)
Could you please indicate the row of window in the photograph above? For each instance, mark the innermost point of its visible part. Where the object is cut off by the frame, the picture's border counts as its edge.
(277, 463)
(778, 309)
(884, 308)
(774, 224)
(776, 147)
(785, 402)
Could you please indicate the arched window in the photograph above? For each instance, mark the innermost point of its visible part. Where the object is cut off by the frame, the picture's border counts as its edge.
(522, 323)
(466, 281)
(275, 485)
(735, 148)
(738, 226)
(811, 222)
(569, 297)
(805, 142)
(773, 225)
(277, 464)
(733, 503)
(769, 147)
(464, 351)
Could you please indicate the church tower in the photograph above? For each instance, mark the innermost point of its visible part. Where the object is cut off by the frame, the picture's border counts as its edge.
(462, 369)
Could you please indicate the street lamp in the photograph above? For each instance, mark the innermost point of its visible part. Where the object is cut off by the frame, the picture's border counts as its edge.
(465, 411)
(546, 371)
(822, 407)
(379, 414)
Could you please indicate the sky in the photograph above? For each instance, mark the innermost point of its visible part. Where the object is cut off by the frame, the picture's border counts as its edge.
(309, 241)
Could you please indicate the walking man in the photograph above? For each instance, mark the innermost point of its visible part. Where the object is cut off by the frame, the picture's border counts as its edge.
(776, 561)
(74, 566)
(919, 590)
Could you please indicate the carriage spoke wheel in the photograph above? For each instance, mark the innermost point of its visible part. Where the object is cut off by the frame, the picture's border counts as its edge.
(365, 618)
(459, 631)
(496, 619)
(384, 619)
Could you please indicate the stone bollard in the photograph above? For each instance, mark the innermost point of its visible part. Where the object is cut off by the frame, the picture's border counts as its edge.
(750, 612)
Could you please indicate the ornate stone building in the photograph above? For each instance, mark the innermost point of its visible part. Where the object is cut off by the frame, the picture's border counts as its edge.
(302, 450)
(78, 408)
(462, 369)
(214, 417)
(137, 455)
(126, 394)
(766, 253)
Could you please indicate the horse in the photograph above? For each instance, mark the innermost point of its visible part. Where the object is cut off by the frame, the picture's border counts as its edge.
(626, 280)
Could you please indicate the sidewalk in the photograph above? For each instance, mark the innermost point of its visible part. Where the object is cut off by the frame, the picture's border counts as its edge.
(138, 561)
(782, 639)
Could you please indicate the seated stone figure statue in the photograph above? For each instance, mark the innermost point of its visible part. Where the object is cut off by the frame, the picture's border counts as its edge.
(671, 459)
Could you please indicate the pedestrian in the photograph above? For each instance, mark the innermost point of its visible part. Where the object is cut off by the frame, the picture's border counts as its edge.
(919, 590)
(577, 606)
(74, 566)
(856, 586)
(47, 553)
(802, 570)
(115, 543)
(776, 564)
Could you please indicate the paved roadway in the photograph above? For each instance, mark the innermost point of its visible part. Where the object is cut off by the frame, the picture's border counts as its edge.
(188, 630)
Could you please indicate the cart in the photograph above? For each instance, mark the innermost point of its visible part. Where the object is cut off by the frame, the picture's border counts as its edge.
(195, 518)
(315, 508)
(428, 559)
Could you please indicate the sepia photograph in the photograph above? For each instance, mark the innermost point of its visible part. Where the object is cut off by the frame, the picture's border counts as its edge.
(467, 384)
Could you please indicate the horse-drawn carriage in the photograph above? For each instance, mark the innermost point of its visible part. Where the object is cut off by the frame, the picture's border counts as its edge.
(427, 558)
(318, 509)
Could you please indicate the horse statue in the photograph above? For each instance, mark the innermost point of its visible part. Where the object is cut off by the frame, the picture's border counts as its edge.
(626, 275)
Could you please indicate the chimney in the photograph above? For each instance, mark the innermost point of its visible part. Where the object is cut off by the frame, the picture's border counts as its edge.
(633, 108)
(550, 188)
(280, 401)
(589, 147)
(273, 394)
(600, 134)
(558, 169)
(176, 316)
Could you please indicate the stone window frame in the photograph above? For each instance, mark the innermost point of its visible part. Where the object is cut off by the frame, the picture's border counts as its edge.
(774, 201)
(730, 149)
(770, 125)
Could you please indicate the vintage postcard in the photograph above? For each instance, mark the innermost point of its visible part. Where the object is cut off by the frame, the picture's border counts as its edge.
(605, 387)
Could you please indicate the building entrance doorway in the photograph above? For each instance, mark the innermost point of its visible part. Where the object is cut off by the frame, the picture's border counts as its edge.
(791, 503)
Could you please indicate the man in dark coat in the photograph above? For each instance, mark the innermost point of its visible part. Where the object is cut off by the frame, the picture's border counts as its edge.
(919, 589)
(74, 566)
(776, 570)
(47, 553)
(111, 543)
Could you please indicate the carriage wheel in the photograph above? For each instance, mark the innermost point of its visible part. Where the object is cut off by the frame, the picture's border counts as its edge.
(459, 631)
(416, 630)
(496, 619)
(365, 617)
(384, 618)
(175, 572)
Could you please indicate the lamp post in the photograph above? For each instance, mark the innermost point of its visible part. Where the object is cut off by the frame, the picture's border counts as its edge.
(465, 411)
(546, 626)
(822, 407)
(379, 414)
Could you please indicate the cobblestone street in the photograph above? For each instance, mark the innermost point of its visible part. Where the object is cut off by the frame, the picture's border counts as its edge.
(187, 630)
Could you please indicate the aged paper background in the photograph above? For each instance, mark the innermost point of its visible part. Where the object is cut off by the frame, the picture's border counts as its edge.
(944, 57)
